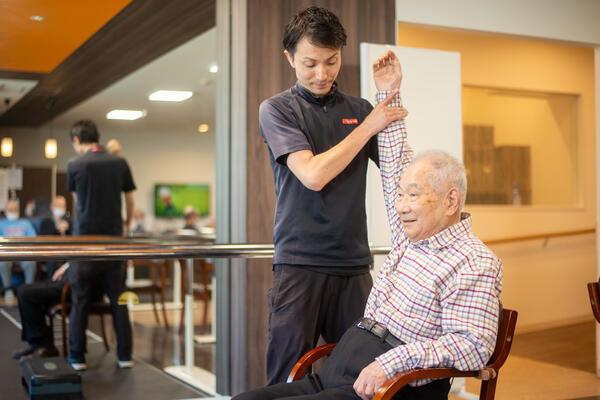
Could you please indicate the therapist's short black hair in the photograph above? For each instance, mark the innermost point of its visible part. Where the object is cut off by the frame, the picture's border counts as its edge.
(86, 131)
(320, 26)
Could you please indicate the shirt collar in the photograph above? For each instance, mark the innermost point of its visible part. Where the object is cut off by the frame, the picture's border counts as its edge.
(309, 96)
(448, 236)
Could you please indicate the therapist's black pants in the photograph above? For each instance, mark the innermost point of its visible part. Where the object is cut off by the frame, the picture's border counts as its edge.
(305, 304)
(356, 350)
(110, 276)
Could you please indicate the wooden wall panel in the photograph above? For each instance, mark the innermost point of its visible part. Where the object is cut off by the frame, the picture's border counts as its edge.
(268, 73)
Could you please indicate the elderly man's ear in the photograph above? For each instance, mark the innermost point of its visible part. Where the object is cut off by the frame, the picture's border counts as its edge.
(452, 202)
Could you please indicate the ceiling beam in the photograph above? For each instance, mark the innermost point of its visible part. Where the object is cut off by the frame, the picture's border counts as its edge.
(140, 33)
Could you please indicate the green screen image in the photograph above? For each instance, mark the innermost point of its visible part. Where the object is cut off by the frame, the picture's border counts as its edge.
(170, 199)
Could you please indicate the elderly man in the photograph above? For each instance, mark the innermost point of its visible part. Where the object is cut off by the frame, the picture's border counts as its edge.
(12, 225)
(435, 301)
(114, 147)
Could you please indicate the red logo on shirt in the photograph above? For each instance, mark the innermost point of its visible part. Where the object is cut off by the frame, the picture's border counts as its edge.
(349, 121)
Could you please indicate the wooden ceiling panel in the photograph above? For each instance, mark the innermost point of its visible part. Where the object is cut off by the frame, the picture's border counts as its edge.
(141, 32)
(39, 46)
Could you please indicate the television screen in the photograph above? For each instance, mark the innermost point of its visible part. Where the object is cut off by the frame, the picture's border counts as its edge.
(170, 199)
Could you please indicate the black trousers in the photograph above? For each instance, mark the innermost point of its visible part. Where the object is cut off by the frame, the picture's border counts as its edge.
(304, 305)
(110, 276)
(356, 350)
(34, 301)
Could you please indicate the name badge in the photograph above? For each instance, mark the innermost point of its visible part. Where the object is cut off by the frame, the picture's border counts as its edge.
(349, 121)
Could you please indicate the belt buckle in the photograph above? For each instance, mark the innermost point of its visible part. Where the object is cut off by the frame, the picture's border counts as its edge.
(367, 324)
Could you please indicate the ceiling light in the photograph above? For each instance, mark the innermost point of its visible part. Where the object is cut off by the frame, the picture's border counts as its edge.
(37, 18)
(6, 147)
(202, 128)
(170, 95)
(129, 115)
(51, 149)
(213, 68)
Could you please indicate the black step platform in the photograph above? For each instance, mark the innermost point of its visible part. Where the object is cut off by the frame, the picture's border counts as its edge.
(50, 379)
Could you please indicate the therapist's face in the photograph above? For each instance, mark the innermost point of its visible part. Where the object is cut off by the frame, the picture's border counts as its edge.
(316, 67)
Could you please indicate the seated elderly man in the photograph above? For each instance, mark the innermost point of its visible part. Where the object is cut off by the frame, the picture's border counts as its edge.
(12, 225)
(435, 301)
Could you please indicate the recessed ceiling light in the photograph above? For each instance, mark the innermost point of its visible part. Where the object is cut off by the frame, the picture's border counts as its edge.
(129, 115)
(213, 68)
(203, 128)
(37, 18)
(170, 95)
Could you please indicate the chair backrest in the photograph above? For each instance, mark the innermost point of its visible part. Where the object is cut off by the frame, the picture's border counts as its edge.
(594, 292)
(504, 340)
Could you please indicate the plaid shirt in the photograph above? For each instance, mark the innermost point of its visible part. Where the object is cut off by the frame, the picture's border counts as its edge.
(438, 295)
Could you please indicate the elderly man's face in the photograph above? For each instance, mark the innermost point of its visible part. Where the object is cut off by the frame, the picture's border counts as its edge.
(422, 211)
(12, 207)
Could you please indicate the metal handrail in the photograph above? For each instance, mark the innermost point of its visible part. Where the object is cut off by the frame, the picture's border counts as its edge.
(115, 248)
(37, 249)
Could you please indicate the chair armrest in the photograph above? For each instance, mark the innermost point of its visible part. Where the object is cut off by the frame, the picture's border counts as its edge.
(594, 299)
(308, 359)
(398, 381)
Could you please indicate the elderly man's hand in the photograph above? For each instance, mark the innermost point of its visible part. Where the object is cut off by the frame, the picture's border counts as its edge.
(369, 380)
(387, 72)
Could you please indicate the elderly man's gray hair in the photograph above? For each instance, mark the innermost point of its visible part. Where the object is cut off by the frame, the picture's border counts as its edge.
(447, 172)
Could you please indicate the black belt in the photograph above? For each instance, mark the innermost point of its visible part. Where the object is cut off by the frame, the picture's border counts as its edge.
(380, 331)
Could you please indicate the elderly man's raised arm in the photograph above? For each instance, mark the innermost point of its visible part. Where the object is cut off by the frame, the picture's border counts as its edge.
(394, 152)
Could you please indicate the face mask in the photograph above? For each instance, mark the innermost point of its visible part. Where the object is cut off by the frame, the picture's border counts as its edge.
(29, 211)
(58, 212)
(12, 216)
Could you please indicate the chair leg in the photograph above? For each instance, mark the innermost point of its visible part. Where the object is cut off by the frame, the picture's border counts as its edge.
(103, 332)
(488, 389)
(183, 293)
(152, 294)
(206, 301)
(63, 323)
(164, 308)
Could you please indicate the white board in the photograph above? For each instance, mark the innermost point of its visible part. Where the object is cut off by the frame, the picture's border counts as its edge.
(431, 92)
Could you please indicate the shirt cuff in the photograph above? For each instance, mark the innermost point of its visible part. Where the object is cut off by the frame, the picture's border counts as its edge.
(382, 94)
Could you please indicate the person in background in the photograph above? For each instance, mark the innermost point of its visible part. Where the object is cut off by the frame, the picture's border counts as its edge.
(12, 225)
(139, 221)
(34, 301)
(98, 180)
(114, 147)
(57, 224)
(191, 215)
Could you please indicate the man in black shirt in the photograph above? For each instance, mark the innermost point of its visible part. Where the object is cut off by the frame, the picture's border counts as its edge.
(97, 179)
(320, 141)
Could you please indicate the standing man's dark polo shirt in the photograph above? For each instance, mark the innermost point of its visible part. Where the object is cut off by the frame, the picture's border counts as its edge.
(98, 178)
(324, 228)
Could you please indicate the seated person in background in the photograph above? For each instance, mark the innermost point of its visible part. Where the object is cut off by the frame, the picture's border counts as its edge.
(12, 225)
(56, 224)
(114, 147)
(191, 215)
(138, 221)
(34, 301)
(435, 302)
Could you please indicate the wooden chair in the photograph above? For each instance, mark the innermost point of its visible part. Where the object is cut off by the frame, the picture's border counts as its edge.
(153, 286)
(594, 292)
(97, 308)
(488, 375)
(201, 290)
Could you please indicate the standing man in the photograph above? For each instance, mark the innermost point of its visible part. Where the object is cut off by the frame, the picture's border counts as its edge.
(97, 179)
(320, 141)
(12, 225)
